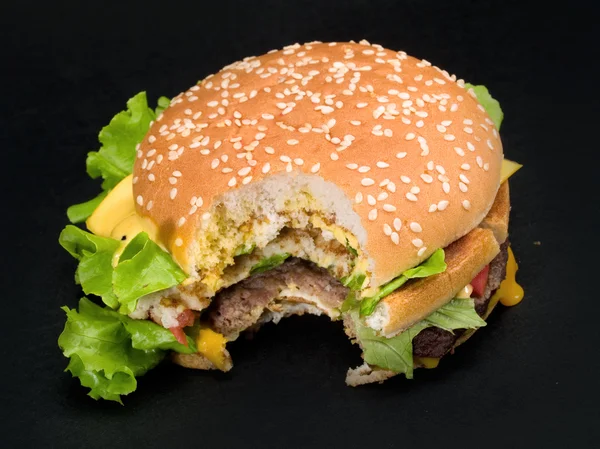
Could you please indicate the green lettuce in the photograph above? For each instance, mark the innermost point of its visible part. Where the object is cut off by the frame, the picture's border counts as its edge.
(108, 350)
(268, 263)
(490, 104)
(142, 268)
(433, 265)
(396, 353)
(114, 160)
(95, 255)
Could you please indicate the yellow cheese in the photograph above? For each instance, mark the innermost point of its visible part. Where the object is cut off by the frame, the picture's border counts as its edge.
(117, 206)
(510, 292)
(427, 362)
(212, 346)
(128, 228)
(509, 168)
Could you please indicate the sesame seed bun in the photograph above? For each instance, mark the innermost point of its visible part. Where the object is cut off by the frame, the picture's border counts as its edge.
(410, 158)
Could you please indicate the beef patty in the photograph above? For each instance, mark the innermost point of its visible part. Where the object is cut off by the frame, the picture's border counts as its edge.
(239, 307)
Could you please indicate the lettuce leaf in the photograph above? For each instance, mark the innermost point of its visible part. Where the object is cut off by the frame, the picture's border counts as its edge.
(143, 267)
(95, 255)
(108, 350)
(433, 265)
(490, 104)
(268, 263)
(114, 160)
(396, 353)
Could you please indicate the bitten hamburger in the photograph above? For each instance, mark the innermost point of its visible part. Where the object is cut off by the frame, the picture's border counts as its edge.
(337, 179)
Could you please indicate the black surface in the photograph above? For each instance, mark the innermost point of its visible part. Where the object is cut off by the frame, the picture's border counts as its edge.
(530, 379)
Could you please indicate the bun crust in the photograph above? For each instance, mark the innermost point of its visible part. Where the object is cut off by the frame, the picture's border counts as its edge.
(415, 152)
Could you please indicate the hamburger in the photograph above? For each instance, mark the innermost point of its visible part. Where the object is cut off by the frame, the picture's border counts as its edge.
(337, 179)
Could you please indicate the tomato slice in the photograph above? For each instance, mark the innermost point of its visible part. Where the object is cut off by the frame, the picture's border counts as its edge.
(186, 318)
(479, 282)
(179, 335)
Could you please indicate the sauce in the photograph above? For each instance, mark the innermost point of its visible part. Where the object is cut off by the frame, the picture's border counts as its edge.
(509, 293)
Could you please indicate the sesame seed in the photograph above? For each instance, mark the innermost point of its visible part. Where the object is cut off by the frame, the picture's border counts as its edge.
(427, 178)
(397, 224)
(140, 200)
(334, 156)
(358, 198)
(421, 251)
(446, 187)
(382, 196)
(470, 146)
(355, 122)
(389, 207)
(172, 180)
(420, 124)
(463, 187)
(364, 169)
(246, 180)
(244, 171)
(352, 166)
(415, 189)
(371, 200)
(387, 230)
(417, 242)
(232, 182)
(479, 161)
(367, 182)
(486, 166)
(362, 105)
(391, 187)
(401, 155)
(411, 196)
(269, 150)
(382, 164)
(372, 214)
(405, 179)
(173, 193)
(298, 161)
(489, 144)
(433, 208)
(409, 136)
(395, 238)
(442, 205)
(466, 204)
(315, 168)
(449, 137)
(181, 222)
(441, 128)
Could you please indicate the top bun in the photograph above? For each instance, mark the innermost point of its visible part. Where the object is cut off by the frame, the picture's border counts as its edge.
(416, 156)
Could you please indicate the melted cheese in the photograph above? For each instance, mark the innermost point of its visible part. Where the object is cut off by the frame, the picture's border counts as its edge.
(116, 217)
(510, 292)
(509, 168)
(427, 362)
(128, 228)
(212, 346)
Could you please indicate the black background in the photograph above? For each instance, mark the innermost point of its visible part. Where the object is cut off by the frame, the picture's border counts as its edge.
(530, 379)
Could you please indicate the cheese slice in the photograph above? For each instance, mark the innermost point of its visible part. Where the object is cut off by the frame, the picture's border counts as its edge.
(116, 217)
(509, 168)
(117, 206)
(212, 346)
